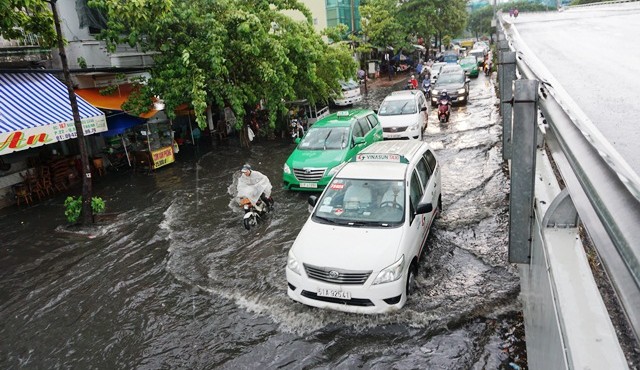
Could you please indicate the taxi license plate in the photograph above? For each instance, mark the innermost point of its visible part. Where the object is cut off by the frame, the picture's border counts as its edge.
(308, 185)
(394, 136)
(333, 293)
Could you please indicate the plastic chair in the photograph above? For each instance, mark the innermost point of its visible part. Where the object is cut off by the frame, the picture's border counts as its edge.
(21, 191)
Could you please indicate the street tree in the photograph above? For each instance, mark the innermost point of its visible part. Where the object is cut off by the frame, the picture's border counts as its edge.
(227, 53)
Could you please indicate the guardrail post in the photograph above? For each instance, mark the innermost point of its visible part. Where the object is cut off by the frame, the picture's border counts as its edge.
(523, 166)
(507, 74)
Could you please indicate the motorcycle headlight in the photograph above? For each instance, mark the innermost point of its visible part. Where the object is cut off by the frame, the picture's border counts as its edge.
(434, 92)
(292, 263)
(286, 169)
(461, 91)
(390, 273)
(246, 207)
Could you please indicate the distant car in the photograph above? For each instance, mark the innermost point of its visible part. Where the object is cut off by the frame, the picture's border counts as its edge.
(329, 143)
(360, 248)
(479, 54)
(456, 84)
(481, 45)
(349, 94)
(450, 58)
(470, 66)
(448, 68)
(435, 70)
(403, 114)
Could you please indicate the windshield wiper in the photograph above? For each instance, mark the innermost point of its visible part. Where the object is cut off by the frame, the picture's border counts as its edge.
(404, 105)
(324, 144)
(328, 220)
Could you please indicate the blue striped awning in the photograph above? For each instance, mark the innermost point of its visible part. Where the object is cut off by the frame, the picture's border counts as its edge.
(35, 110)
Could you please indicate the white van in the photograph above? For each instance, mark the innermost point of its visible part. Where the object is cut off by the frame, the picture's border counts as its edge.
(359, 250)
(349, 94)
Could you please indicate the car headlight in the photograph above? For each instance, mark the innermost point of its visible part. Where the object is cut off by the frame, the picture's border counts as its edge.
(413, 127)
(461, 91)
(390, 273)
(292, 263)
(286, 169)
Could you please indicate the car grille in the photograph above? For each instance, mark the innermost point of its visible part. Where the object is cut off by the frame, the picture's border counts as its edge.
(349, 302)
(394, 129)
(309, 174)
(336, 276)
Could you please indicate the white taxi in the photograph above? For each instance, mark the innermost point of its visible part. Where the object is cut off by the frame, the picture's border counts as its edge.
(359, 250)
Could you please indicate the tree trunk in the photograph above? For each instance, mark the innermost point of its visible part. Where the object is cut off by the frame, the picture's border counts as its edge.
(87, 213)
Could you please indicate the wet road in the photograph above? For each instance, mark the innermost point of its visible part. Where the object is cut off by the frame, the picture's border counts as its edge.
(587, 51)
(176, 281)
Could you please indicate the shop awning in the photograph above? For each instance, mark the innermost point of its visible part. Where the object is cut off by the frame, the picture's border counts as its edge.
(119, 123)
(35, 110)
(111, 101)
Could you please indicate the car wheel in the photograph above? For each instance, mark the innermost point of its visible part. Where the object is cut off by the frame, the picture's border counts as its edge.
(411, 279)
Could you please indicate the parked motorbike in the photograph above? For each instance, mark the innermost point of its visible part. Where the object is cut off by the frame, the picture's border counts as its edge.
(254, 212)
(444, 110)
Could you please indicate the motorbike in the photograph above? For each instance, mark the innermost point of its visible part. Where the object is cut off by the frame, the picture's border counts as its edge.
(426, 88)
(254, 212)
(443, 111)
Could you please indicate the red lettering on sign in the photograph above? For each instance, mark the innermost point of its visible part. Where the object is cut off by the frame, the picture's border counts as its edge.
(16, 140)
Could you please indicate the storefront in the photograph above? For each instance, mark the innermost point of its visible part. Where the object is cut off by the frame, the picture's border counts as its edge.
(144, 143)
(35, 123)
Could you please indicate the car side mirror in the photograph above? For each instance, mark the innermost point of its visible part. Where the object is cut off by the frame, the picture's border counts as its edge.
(423, 109)
(424, 208)
(297, 140)
(313, 199)
(467, 80)
(358, 140)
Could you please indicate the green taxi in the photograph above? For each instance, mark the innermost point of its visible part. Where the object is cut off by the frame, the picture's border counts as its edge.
(329, 143)
(470, 66)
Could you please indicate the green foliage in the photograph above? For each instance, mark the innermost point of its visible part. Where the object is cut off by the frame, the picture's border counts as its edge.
(82, 62)
(19, 18)
(73, 207)
(381, 25)
(231, 53)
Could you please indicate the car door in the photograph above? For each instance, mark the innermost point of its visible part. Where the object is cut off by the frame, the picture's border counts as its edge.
(428, 185)
(376, 128)
(435, 187)
(424, 116)
(416, 222)
(356, 132)
(365, 126)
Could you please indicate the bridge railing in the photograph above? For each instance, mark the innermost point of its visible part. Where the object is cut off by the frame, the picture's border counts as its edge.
(548, 137)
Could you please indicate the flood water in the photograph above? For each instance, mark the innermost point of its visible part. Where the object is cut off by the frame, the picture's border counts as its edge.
(177, 282)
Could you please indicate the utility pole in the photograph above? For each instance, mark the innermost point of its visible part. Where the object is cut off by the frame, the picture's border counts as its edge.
(87, 214)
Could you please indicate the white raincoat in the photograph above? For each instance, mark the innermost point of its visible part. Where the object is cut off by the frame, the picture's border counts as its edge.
(253, 185)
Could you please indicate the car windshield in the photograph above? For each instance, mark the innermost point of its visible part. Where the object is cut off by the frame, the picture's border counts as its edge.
(450, 78)
(357, 202)
(397, 107)
(323, 138)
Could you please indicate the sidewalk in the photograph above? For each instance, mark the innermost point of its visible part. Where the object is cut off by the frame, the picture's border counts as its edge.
(384, 81)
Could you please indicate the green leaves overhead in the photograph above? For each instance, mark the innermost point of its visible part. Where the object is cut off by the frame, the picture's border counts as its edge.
(21, 18)
(228, 52)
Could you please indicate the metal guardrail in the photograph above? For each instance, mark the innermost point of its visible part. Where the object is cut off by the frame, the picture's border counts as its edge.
(601, 3)
(603, 188)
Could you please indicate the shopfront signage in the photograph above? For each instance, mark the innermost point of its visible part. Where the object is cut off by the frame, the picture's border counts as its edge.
(162, 156)
(36, 136)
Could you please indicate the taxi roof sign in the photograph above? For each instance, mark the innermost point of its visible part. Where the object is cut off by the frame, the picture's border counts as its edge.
(380, 157)
(342, 113)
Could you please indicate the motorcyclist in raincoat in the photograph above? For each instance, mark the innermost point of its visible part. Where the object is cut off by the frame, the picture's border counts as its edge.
(253, 185)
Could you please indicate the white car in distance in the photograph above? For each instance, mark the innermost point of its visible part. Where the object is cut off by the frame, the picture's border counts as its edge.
(359, 250)
(403, 115)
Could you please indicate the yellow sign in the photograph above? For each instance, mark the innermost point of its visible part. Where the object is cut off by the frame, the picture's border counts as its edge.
(162, 156)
